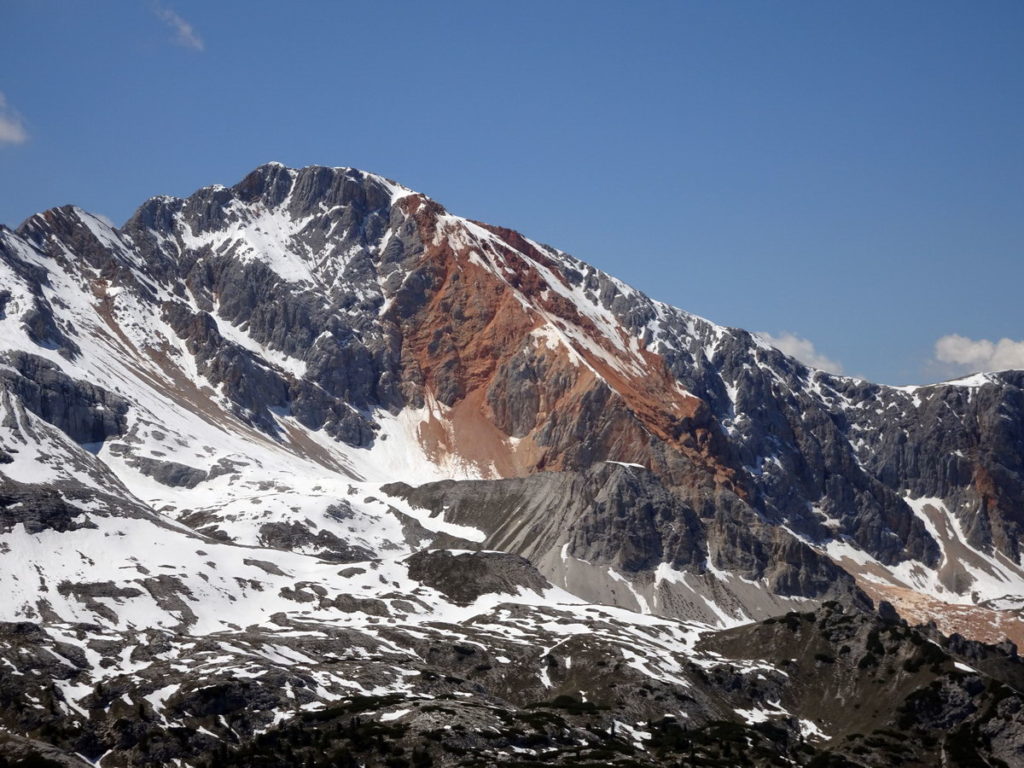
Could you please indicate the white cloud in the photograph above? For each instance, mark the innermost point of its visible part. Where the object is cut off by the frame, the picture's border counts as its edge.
(971, 355)
(803, 350)
(12, 129)
(184, 34)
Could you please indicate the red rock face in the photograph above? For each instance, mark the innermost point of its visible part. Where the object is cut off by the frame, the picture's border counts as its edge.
(995, 509)
(526, 380)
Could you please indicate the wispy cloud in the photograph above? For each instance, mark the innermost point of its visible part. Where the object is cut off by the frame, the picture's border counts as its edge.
(803, 350)
(184, 33)
(12, 127)
(968, 355)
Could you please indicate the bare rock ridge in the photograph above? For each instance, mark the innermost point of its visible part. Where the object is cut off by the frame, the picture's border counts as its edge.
(311, 461)
(587, 531)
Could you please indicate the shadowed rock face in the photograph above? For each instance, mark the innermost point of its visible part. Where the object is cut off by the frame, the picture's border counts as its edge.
(867, 679)
(36, 509)
(326, 545)
(464, 577)
(83, 411)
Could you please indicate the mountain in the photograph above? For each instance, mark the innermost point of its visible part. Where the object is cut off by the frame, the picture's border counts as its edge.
(309, 466)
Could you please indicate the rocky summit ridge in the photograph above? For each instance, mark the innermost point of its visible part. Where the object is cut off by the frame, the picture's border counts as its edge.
(309, 470)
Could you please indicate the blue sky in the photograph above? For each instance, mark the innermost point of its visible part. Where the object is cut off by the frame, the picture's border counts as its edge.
(848, 177)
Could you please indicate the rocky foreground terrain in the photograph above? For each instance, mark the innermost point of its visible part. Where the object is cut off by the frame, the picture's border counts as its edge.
(309, 471)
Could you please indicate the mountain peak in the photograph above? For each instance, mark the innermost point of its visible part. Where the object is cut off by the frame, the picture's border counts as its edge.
(272, 183)
(203, 416)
